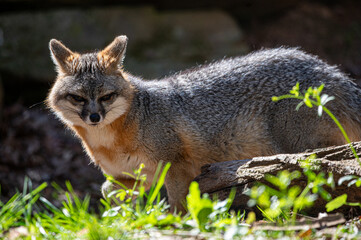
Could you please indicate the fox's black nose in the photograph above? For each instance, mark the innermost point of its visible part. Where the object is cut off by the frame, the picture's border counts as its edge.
(94, 117)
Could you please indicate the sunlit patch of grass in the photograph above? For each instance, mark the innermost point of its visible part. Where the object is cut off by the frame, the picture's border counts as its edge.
(141, 215)
(130, 219)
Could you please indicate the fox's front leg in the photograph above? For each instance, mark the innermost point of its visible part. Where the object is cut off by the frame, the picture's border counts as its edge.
(177, 183)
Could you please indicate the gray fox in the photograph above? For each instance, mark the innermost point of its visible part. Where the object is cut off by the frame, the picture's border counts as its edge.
(216, 112)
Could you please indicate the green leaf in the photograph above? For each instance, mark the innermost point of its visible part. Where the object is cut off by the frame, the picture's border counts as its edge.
(155, 190)
(295, 174)
(129, 174)
(112, 212)
(293, 192)
(319, 111)
(330, 181)
(296, 90)
(274, 99)
(168, 219)
(264, 200)
(315, 93)
(272, 213)
(325, 99)
(251, 217)
(324, 194)
(306, 201)
(307, 101)
(299, 105)
(202, 216)
(310, 174)
(66, 212)
(121, 194)
(358, 182)
(200, 208)
(320, 88)
(309, 91)
(49, 205)
(336, 203)
(274, 180)
(345, 178)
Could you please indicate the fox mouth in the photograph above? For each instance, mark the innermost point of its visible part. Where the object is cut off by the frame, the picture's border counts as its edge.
(93, 124)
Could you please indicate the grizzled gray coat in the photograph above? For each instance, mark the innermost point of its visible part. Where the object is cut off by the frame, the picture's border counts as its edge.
(217, 112)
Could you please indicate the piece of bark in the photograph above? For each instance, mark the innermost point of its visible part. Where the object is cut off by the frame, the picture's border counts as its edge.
(220, 178)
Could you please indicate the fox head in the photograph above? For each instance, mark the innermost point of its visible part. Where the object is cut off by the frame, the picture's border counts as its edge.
(91, 89)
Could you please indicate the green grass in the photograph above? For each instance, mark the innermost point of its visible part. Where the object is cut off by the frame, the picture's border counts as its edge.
(138, 218)
(142, 215)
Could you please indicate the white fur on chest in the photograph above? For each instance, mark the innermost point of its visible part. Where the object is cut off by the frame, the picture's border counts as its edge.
(125, 162)
(100, 137)
(121, 161)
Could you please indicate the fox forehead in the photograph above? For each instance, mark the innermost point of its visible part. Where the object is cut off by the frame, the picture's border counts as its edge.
(89, 84)
(88, 63)
(87, 76)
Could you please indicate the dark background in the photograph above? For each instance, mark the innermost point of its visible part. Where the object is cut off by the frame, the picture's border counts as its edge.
(164, 37)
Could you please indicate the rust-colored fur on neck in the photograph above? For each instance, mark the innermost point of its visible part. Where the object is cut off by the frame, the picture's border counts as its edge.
(124, 138)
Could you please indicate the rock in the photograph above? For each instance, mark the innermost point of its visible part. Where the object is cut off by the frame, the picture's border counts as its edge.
(159, 42)
(219, 178)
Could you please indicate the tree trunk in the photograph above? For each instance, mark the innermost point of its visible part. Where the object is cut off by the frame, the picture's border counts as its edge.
(220, 178)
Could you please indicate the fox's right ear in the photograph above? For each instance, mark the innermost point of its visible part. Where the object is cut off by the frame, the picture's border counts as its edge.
(62, 56)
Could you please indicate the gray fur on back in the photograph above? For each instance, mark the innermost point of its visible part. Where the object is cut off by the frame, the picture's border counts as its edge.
(229, 93)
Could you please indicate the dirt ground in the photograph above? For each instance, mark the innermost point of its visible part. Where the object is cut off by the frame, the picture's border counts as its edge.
(35, 144)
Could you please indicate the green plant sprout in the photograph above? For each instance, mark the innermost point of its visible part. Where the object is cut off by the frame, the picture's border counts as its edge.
(137, 192)
(207, 214)
(276, 202)
(312, 97)
(342, 200)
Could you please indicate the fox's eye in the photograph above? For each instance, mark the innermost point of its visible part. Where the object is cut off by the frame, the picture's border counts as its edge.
(107, 97)
(77, 98)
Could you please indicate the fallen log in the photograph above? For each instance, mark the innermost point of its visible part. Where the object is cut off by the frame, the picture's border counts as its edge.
(220, 178)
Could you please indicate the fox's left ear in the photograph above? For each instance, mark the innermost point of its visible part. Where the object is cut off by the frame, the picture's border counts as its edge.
(112, 56)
